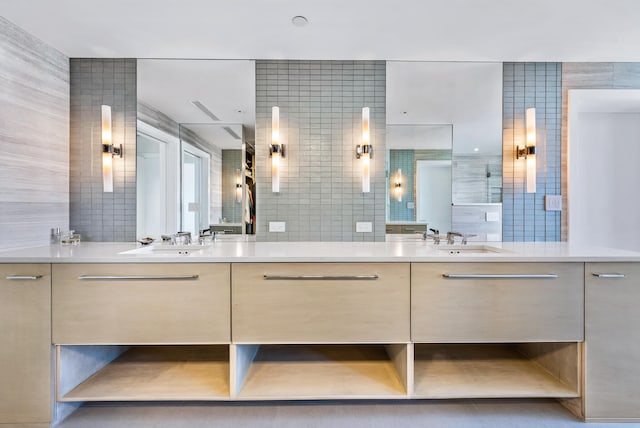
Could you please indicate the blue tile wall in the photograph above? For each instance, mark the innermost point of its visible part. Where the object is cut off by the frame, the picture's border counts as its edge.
(404, 160)
(100, 216)
(527, 85)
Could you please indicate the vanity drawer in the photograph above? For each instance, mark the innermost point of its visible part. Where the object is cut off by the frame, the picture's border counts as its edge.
(182, 303)
(497, 302)
(320, 303)
(25, 351)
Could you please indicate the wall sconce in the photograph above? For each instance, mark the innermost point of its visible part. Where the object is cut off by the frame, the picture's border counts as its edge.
(238, 186)
(529, 151)
(365, 152)
(108, 150)
(276, 150)
(398, 189)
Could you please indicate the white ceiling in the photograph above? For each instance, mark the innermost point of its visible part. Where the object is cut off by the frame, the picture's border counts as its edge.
(226, 88)
(420, 137)
(467, 95)
(435, 30)
(218, 135)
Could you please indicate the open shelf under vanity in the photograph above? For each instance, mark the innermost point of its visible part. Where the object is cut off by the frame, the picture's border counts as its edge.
(146, 373)
(496, 370)
(311, 372)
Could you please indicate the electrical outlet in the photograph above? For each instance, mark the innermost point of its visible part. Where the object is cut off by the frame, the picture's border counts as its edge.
(277, 226)
(553, 202)
(364, 227)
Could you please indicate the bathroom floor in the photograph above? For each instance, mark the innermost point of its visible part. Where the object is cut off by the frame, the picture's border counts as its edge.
(369, 414)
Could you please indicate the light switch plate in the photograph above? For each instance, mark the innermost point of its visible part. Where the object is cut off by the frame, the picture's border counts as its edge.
(364, 227)
(492, 216)
(411, 205)
(553, 202)
(277, 226)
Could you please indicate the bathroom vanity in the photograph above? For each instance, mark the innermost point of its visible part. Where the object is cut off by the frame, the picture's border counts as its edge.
(313, 321)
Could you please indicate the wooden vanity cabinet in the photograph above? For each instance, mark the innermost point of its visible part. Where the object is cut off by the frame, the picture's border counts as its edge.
(612, 341)
(497, 302)
(25, 353)
(174, 303)
(320, 302)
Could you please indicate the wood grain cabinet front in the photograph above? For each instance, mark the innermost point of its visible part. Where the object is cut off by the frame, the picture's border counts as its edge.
(320, 302)
(612, 341)
(497, 302)
(176, 303)
(25, 353)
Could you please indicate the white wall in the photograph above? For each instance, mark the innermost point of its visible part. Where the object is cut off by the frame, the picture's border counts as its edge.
(604, 170)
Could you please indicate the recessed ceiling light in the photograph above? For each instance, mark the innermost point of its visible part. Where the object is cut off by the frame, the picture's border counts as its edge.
(476, 149)
(299, 21)
(240, 111)
(404, 112)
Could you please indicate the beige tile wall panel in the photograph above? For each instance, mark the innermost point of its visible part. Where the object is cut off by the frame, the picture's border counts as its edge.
(496, 310)
(25, 354)
(34, 138)
(320, 311)
(612, 342)
(192, 311)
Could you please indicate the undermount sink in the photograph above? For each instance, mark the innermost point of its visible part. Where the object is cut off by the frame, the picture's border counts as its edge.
(469, 249)
(165, 249)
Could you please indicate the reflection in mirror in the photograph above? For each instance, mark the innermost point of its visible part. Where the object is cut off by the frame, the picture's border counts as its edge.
(196, 126)
(468, 96)
(157, 182)
(419, 165)
(215, 193)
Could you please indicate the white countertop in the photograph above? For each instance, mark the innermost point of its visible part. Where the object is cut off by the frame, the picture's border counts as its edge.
(397, 251)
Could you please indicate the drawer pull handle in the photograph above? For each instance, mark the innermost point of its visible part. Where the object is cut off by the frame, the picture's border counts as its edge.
(608, 275)
(322, 277)
(500, 276)
(138, 277)
(23, 277)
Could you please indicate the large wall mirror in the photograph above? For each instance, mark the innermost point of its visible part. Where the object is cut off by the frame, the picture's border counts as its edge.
(195, 150)
(444, 148)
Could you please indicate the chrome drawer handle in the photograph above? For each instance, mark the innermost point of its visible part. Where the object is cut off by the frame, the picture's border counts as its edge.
(500, 276)
(137, 277)
(608, 275)
(322, 277)
(23, 277)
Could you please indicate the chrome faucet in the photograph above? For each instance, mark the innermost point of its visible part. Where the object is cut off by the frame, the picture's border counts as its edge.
(215, 234)
(451, 238)
(467, 235)
(181, 238)
(435, 235)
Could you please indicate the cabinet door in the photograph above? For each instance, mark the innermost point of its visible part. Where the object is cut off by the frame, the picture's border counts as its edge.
(497, 302)
(320, 302)
(174, 303)
(612, 339)
(25, 352)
